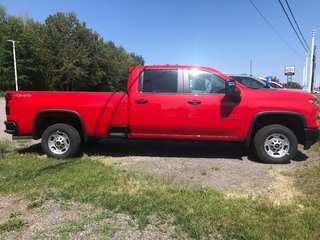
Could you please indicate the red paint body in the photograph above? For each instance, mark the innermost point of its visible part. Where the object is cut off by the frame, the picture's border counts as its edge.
(164, 115)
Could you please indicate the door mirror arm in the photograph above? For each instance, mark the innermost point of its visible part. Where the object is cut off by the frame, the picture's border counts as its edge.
(232, 90)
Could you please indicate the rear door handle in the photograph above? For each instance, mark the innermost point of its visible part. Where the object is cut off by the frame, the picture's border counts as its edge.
(141, 101)
(194, 102)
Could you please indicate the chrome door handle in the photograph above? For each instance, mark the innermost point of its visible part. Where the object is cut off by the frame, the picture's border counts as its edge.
(141, 101)
(194, 102)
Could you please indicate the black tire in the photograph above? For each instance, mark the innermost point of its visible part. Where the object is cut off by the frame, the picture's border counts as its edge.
(275, 144)
(61, 141)
(93, 140)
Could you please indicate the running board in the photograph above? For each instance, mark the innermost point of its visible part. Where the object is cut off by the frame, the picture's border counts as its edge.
(118, 131)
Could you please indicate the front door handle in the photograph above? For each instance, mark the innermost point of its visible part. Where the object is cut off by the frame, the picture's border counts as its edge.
(141, 101)
(194, 102)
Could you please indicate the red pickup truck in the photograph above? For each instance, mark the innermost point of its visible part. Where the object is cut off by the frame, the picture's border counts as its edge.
(168, 102)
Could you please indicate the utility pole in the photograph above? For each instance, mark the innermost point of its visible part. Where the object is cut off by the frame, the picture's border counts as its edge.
(313, 69)
(250, 67)
(305, 76)
(311, 63)
(15, 62)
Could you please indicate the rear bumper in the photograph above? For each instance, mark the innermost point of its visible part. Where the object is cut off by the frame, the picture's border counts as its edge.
(312, 135)
(12, 128)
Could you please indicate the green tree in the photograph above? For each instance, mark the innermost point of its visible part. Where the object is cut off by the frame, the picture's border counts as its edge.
(61, 54)
(293, 85)
(11, 29)
(30, 56)
(28, 52)
(65, 50)
(3, 50)
(275, 79)
(118, 63)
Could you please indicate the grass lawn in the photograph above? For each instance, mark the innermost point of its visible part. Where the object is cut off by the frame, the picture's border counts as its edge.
(198, 213)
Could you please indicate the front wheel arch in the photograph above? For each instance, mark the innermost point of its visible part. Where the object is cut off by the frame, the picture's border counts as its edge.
(292, 120)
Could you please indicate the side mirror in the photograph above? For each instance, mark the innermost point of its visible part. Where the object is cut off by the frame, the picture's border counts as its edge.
(232, 90)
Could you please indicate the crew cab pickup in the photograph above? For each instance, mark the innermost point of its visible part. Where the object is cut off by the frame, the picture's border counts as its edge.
(168, 102)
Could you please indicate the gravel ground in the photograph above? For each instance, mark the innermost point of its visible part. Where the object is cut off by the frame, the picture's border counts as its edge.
(67, 220)
(228, 167)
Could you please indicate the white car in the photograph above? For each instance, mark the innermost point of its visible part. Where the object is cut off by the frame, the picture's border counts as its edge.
(273, 84)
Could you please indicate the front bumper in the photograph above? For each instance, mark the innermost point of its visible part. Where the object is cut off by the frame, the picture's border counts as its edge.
(312, 135)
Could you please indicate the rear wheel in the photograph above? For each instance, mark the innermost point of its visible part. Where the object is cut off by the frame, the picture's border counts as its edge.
(275, 144)
(61, 141)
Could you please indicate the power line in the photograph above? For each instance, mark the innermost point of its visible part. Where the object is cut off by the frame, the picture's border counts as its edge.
(297, 25)
(293, 27)
(288, 45)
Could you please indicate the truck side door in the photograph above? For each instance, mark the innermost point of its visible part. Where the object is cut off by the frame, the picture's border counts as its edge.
(156, 106)
(210, 114)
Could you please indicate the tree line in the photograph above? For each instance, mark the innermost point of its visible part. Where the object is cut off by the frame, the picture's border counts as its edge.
(61, 54)
(291, 84)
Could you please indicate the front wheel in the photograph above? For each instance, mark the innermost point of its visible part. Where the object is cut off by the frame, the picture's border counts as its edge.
(275, 144)
(61, 141)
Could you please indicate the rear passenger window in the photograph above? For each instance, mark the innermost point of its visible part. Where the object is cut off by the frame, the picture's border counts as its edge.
(159, 81)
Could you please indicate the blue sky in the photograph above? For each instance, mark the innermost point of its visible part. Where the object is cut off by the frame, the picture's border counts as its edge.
(223, 34)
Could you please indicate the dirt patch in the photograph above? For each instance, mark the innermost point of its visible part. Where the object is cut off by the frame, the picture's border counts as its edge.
(225, 167)
(58, 220)
(221, 174)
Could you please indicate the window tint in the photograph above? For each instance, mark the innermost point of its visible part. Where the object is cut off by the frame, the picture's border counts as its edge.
(250, 82)
(160, 81)
(205, 82)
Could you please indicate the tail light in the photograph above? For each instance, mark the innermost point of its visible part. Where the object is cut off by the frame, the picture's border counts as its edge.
(8, 97)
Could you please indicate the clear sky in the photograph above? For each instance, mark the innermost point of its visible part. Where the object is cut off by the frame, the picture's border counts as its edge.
(223, 34)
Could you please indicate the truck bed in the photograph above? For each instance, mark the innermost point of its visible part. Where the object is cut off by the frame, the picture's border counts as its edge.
(98, 110)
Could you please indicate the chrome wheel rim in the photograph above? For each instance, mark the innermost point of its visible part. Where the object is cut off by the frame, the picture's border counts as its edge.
(58, 143)
(277, 145)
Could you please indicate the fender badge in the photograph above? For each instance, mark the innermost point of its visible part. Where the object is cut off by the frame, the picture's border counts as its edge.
(22, 95)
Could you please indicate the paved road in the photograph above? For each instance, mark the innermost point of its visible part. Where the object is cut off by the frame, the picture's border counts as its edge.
(3, 135)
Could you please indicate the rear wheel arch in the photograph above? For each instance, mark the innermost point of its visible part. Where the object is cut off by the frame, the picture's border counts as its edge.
(49, 117)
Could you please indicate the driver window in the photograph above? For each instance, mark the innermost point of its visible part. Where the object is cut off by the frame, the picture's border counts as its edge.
(203, 82)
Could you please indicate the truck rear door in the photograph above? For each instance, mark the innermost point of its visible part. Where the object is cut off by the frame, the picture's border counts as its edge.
(157, 104)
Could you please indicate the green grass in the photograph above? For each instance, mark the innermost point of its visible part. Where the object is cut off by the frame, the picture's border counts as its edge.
(107, 229)
(12, 224)
(74, 226)
(5, 148)
(309, 180)
(200, 213)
